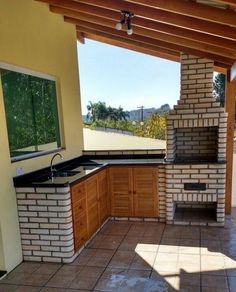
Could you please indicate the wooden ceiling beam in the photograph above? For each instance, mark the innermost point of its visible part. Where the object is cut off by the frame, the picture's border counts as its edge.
(166, 17)
(193, 9)
(228, 2)
(135, 46)
(175, 19)
(101, 18)
(160, 36)
(80, 37)
(100, 30)
(156, 36)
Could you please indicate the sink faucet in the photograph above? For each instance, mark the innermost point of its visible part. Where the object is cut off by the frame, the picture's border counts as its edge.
(51, 163)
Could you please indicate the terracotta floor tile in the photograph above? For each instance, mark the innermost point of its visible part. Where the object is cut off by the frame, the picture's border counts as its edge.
(155, 230)
(28, 289)
(115, 228)
(219, 282)
(124, 280)
(140, 243)
(150, 247)
(61, 281)
(214, 289)
(122, 259)
(213, 265)
(130, 243)
(27, 267)
(171, 231)
(84, 257)
(50, 289)
(232, 284)
(84, 283)
(189, 279)
(143, 260)
(26, 279)
(189, 246)
(7, 288)
(211, 233)
(97, 241)
(111, 280)
(169, 245)
(188, 263)
(140, 284)
(168, 281)
(182, 257)
(192, 232)
(69, 270)
(211, 247)
(87, 278)
(110, 242)
(189, 288)
(48, 269)
(138, 273)
(230, 266)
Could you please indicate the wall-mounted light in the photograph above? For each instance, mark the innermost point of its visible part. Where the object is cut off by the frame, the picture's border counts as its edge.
(126, 17)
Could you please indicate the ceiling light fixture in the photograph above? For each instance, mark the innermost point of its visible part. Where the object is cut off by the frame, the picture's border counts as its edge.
(126, 17)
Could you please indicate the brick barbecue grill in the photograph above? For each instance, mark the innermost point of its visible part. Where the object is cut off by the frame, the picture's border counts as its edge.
(196, 148)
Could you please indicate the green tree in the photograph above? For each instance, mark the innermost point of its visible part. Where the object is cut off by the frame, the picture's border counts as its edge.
(99, 111)
(219, 88)
(154, 127)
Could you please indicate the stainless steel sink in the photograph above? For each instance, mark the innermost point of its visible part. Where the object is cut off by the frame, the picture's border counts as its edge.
(66, 173)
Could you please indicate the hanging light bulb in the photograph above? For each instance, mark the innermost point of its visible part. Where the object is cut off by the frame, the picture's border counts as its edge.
(130, 31)
(119, 26)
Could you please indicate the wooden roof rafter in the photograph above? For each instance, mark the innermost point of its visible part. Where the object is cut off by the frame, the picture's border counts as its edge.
(147, 12)
(187, 8)
(102, 15)
(161, 28)
(159, 36)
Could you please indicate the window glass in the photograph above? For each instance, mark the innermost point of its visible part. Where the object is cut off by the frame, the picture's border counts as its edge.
(31, 113)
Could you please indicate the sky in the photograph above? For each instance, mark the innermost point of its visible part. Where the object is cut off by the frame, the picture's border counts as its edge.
(121, 77)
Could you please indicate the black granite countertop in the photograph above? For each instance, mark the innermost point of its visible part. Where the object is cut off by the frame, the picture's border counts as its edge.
(85, 166)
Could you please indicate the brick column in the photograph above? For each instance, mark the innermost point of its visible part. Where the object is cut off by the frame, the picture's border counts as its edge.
(46, 227)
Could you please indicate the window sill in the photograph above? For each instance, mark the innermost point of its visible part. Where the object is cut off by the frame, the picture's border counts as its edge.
(34, 155)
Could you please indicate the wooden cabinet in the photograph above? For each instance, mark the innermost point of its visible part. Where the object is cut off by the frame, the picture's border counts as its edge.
(103, 196)
(145, 192)
(121, 186)
(92, 204)
(119, 191)
(78, 198)
(134, 191)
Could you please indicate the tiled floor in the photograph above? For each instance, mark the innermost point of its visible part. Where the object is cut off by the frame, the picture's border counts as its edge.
(140, 256)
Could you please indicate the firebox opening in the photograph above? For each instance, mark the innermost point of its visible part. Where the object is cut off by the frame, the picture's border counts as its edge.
(198, 144)
(195, 212)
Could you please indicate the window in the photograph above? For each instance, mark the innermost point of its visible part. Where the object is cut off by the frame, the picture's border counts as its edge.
(31, 114)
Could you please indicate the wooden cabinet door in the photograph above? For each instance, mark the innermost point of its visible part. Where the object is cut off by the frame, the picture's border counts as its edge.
(103, 196)
(78, 198)
(145, 191)
(121, 191)
(92, 205)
